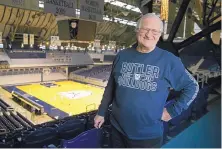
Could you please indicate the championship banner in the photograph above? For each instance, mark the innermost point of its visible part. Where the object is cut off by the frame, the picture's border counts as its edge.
(112, 44)
(96, 43)
(164, 10)
(24, 4)
(0, 37)
(31, 39)
(4, 64)
(58, 43)
(92, 10)
(25, 39)
(61, 7)
(55, 41)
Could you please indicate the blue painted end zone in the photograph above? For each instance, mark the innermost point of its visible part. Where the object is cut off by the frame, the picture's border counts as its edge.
(49, 109)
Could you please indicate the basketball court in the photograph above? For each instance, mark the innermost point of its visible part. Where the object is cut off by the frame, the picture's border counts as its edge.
(66, 96)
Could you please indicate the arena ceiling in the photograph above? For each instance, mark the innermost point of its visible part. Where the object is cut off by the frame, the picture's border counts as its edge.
(15, 21)
(119, 25)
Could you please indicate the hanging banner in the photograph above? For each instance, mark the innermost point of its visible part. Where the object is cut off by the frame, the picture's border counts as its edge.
(0, 37)
(55, 41)
(112, 44)
(92, 10)
(60, 7)
(164, 10)
(58, 43)
(24, 4)
(31, 39)
(25, 39)
(96, 44)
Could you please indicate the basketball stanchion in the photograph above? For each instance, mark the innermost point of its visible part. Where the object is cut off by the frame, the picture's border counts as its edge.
(45, 71)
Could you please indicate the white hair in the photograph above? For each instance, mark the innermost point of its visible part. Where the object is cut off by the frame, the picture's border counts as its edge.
(149, 15)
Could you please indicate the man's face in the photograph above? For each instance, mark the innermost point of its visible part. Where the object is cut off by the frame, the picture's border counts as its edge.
(149, 32)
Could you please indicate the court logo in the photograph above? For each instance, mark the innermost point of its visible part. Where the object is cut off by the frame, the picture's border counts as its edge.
(75, 94)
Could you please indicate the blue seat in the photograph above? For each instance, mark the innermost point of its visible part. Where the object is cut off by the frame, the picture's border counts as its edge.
(71, 128)
(88, 139)
(40, 137)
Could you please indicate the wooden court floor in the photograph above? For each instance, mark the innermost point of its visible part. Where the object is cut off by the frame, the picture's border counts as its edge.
(67, 96)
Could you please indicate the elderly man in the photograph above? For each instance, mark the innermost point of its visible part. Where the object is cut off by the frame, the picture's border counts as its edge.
(139, 86)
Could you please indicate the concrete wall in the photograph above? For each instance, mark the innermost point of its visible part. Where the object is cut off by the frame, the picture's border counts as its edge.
(30, 78)
(76, 59)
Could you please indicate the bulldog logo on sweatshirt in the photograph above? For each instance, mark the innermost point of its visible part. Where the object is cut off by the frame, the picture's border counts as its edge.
(137, 76)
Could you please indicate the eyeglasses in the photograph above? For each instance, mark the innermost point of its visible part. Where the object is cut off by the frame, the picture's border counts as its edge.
(146, 30)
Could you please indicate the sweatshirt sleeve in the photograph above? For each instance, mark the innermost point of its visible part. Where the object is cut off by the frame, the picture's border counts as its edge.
(181, 80)
(109, 91)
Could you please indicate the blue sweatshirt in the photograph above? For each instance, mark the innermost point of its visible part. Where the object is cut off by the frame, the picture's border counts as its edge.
(138, 88)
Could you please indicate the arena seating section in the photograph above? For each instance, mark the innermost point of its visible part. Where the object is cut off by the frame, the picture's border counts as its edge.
(98, 72)
(17, 131)
(21, 54)
(25, 71)
(71, 131)
(11, 121)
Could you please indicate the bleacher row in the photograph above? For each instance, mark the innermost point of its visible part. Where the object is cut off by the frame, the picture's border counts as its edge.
(26, 71)
(99, 72)
(49, 133)
(10, 120)
(65, 132)
(26, 54)
(97, 75)
(33, 58)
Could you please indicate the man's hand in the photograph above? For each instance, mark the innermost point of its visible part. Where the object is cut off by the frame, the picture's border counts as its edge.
(166, 116)
(98, 121)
